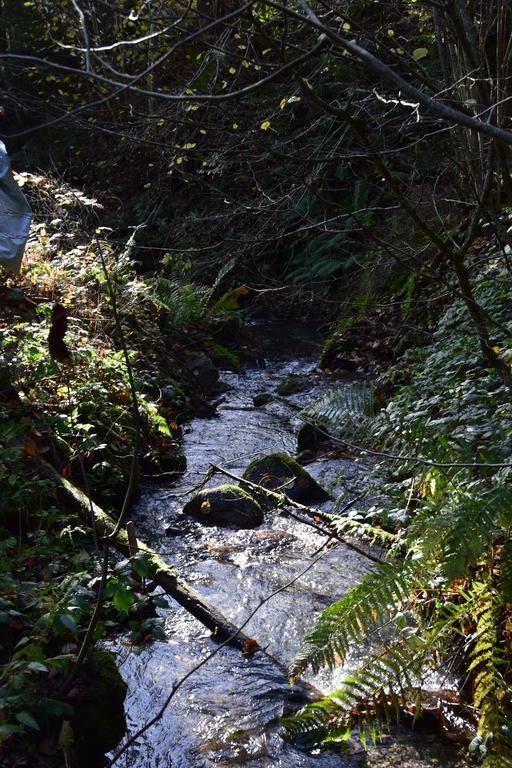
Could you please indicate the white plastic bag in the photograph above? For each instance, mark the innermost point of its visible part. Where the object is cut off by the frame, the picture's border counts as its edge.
(15, 216)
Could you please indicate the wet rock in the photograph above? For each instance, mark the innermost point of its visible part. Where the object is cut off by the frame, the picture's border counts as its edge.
(172, 530)
(291, 385)
(262, 399)
(99, 723)
(251, 357)
(346, 364)
(270, 540)
(306, 457)
(202, 368)
(311, 436)
(173, 395)
(280, 471)
(173, 462)
(227, 506)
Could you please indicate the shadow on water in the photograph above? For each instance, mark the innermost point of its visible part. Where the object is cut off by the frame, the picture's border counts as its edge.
(228, 713)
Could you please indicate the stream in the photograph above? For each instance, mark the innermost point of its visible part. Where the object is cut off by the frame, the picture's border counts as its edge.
(227, 714)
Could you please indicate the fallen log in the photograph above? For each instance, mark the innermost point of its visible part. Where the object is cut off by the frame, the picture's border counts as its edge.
(163, 575)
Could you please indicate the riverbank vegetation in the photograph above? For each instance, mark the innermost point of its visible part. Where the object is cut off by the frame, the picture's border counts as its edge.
(192, 164)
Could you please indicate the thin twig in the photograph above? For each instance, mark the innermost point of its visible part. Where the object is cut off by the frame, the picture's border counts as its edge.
(176, 686)
(282, 499)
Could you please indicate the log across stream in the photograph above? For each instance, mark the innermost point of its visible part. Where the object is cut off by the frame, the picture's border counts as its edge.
(227, 714)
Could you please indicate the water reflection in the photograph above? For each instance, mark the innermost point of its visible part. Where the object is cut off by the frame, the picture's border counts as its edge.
(227, 714)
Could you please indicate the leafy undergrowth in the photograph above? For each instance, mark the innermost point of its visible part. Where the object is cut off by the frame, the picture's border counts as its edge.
(447, 589)
(49, 578)
(86, 401)
(76, 412)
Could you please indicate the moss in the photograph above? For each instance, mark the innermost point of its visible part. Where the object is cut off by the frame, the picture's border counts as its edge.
(226, 505)
(291, 384)
(278, 470)
(332, 347)
(100, 723)
(269, 462)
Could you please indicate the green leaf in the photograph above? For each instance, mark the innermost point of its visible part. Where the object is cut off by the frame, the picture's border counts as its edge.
(8, 730)
(142, 564)
(123, 600)
(25, 718)
(36, 666)
(160, 601)
(67, 622)
(419, 53)
(47, 708)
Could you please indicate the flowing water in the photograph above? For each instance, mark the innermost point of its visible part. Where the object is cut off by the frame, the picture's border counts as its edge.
(227, 714)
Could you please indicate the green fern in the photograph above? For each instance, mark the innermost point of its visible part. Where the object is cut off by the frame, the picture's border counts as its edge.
(358, 528)
(344, 412)
(390, 680)
(460, 530)
(505, 575)
(488, 663)
(366, 606)
(182, 305)
(370, 699)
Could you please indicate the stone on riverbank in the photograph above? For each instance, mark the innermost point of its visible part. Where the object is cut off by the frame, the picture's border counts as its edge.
(278, 471)
(99, 723)
(226, 506)
(204, 371)
(311, 436)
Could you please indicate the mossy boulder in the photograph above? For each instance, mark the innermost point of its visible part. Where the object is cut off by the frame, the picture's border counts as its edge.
(264, 398)
(99, 723)
(278, 470)
(311, 436)
(227, 506)
(291, 385)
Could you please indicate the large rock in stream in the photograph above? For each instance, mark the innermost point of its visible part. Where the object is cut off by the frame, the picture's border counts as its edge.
(99, 722)
(278, 471)
(311, 436)
(200, 366)
(227, 506)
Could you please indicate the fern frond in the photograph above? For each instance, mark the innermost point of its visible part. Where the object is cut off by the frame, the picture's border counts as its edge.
(457, 533)
(345, 411)
(223, 271)
(352, 526)
(369, 699)
(505, 574)
(488, 663)
(371, 603)
(182, 304)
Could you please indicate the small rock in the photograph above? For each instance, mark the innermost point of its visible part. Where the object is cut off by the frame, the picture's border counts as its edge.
(346, 364)
(291, 385)
(172, 530)
(262, 399)
(305, 457)
(268, 541)
(226, 506)
(169, 463)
